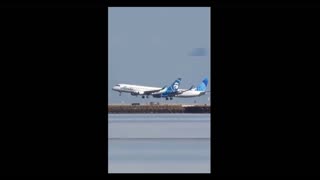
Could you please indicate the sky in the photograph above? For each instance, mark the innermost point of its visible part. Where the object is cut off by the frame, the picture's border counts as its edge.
(153, 46)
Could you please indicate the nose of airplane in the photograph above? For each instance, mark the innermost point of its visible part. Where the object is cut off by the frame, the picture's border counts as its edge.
(115, 88)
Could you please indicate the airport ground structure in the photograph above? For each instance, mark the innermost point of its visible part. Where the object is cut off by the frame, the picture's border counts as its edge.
(157, 108)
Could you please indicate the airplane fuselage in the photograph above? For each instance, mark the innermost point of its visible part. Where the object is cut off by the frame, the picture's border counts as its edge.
(190, 93)
(129, 88)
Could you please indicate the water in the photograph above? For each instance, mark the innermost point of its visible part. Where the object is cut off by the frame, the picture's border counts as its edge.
(159, 143)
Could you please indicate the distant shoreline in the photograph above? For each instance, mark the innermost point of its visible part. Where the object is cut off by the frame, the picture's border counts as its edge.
(155, 108)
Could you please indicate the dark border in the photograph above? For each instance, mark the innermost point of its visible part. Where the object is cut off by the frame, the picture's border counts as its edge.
(55, 71)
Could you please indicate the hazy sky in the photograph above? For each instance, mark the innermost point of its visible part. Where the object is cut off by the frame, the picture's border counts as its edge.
(153, 46)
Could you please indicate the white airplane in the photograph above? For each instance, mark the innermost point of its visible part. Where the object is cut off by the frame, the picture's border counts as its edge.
(194, 92)
(145, 91)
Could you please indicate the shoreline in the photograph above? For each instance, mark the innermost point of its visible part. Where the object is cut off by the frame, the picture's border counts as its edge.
(155, 108)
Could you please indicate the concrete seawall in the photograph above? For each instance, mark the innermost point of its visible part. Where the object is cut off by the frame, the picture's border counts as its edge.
(159, 108)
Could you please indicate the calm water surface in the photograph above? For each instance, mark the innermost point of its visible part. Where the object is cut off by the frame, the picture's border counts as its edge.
(159, 143)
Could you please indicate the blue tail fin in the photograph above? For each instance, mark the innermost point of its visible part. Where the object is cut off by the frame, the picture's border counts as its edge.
(203, 85)
(174, 86)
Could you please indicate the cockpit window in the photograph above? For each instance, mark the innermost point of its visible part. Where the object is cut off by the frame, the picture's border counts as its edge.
(118, 85)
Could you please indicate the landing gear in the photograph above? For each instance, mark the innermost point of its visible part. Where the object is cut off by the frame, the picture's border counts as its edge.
(119, 94)
(166, 98)
(147, 96)
(143, 97)
(170, 98)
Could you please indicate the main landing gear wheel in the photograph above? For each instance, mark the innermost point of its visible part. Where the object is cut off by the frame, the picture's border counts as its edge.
(171, 98)
(147, 96)
(143, 97)
(119, 94)
(166, 98)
